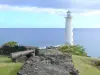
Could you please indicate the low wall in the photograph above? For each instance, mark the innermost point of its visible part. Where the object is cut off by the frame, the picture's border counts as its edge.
(49, 64)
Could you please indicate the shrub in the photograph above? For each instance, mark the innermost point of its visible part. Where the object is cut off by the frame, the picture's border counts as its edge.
(96, 63)
(11, 44)
(74, 49)
(10, 47)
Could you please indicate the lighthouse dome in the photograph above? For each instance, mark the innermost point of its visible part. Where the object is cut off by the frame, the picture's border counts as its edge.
(68, 13)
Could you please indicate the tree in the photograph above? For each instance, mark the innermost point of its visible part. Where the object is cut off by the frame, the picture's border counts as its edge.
(11, 44)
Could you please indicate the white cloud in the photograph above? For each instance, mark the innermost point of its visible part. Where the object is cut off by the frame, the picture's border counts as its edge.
(91, 13)
(33, 9)
(86, 2)
(62, 12)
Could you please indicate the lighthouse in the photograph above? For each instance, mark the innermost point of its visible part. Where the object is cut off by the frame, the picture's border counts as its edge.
(68, 29)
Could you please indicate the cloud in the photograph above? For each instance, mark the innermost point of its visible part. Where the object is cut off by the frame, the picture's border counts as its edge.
(61, 12)
(59, 4)
(39, 3)
(91, 13)
(33, 9)
(56, 4)
(76, 6)
(86, 4)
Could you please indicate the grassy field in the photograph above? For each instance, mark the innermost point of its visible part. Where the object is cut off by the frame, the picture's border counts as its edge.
(81, 63)
(7, 67)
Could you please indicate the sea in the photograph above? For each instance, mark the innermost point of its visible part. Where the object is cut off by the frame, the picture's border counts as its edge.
(89, 38)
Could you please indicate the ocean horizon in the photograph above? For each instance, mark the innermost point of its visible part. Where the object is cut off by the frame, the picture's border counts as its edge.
(87, 37)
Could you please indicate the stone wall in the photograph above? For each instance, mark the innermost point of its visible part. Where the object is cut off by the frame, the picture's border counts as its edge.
(49, 64)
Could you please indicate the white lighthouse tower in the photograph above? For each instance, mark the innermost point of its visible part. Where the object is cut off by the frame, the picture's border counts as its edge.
(68, 29)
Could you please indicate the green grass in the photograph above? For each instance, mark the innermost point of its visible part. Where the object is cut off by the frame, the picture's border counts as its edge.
(83, 64)
(7, 67)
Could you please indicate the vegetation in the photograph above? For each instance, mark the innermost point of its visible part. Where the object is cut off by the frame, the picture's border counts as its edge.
(7, 67)
(11, 44)
(83, 64)
(86, 65)
(10, 47)
(74, 49)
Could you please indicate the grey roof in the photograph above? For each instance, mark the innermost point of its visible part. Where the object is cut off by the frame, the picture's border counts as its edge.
(68, 11)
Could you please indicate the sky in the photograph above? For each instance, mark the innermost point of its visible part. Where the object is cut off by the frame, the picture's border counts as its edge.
(49, 13)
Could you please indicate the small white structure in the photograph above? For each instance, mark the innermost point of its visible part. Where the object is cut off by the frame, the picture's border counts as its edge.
(68, 29)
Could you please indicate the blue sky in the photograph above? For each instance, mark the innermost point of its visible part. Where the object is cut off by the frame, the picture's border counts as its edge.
(49, 13)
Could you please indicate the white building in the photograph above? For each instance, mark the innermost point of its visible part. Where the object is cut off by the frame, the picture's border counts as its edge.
(68, 29)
